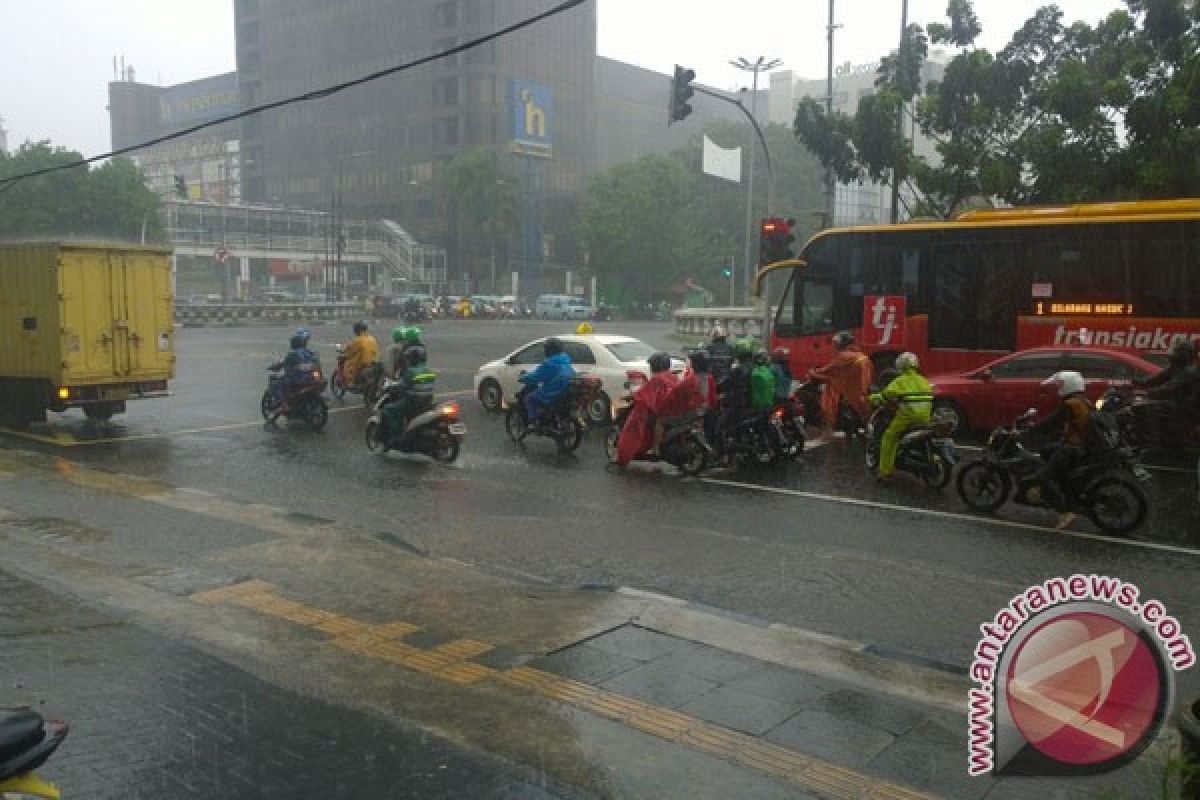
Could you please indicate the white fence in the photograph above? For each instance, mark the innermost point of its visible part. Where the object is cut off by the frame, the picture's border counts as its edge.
(266, 314)
(735, 321)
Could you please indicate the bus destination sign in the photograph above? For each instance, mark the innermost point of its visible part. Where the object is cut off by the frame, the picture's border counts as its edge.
(1082, 309)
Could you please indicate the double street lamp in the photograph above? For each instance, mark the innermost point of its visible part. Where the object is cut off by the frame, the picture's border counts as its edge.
(759, 65)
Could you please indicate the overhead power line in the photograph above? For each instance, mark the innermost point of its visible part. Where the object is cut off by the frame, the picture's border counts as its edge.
(317, 94)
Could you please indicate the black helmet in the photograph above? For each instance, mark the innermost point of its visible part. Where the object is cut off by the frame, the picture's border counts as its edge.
(415, 355)
(360, 327)
(1183, 353)
(296, 343)
(659, 362)
(761, 358)
(552, 347)
(699, 360)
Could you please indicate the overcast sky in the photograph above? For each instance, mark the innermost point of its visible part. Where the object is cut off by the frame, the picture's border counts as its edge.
(57, 56)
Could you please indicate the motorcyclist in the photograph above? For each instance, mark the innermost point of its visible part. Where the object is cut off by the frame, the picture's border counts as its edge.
(1173, 392)
(782, 370)
(360, 353)
(637, 434)
(762, 384)
(550, 380)
(847, 378)
(1072, 418)
(394, 362)
(735, 390)
(297, 368)
(413, 396)
(913, 396)
(720, 354)
(303, 334)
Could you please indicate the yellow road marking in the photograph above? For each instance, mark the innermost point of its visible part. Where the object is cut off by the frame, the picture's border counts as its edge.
(451, 662)
(60, 438)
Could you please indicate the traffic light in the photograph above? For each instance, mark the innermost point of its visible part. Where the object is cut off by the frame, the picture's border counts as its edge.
(776, 240)
(678, 106)
(181, 187)
(726, 272)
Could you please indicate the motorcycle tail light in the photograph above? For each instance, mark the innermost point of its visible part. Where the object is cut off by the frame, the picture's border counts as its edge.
(450, 409)
(316, 373)
(779, 413)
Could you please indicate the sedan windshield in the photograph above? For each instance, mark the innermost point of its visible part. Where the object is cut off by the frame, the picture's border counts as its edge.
(626, 352)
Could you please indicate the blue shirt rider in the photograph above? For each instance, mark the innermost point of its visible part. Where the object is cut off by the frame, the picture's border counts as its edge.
(297, 367)
(552, 378)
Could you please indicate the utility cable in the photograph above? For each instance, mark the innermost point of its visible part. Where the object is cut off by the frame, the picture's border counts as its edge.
(317, 94)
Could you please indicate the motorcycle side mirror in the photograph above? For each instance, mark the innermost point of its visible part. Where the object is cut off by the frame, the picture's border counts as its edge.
(985, 375)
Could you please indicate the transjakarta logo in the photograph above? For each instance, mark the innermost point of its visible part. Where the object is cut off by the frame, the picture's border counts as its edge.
(1074, 677)
(1157, 340)
(883, 317)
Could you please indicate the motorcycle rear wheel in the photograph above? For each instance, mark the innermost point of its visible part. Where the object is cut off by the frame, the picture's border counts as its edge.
(445, 447)
(375, 443)
(569, 435)
(317, 414)
(1117, 505)
(336, 387)
(694, 457)
(937, 473)
(610, 443)
(983, 487)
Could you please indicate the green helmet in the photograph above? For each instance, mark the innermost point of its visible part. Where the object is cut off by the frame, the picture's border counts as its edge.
(412, 335)
(743, 348)
(398, 334)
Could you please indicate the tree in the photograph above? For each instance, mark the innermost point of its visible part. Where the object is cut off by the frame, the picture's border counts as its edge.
(478, 199)
(1061, 114)
(110, 201)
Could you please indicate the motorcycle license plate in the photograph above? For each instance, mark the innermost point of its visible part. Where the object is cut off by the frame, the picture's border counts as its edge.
(458, 429)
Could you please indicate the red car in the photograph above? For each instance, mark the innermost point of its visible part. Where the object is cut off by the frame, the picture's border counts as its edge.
(1001, 390)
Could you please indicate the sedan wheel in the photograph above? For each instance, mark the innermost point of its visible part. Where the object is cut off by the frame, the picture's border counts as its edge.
(491, 396)
(599, 410)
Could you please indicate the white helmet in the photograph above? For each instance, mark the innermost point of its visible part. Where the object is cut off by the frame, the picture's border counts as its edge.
(716, 333)
(907, 360)
(1068, 383)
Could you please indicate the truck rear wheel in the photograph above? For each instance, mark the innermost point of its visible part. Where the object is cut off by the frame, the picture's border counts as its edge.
(99, 412)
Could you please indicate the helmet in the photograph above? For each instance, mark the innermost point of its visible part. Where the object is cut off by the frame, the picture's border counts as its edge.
(781, 355)
(717, 334)
(360, 327)
(296, 342)
(659, 362)
(1183, 353)
(907, 361)
(302, 333)
(743, 348)
(584, 328)
(1068, 383)
(398, 334)
(761, 358)
(699, 360)
(412, 335)
(552, 347)
(843, 338)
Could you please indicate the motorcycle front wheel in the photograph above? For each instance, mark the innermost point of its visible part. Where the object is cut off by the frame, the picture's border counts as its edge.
(317, 414)
(514, 423)
(268, 404)
(610, 443)
(374, 437)
(693, 459)
(570, 435)
(1117, 506)
(336, 387)
(983, 486)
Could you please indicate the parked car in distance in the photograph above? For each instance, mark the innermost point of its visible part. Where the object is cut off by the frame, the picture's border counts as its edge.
(999, 391)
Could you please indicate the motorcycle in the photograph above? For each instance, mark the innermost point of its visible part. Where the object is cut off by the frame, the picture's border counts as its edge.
(749, 438)
(684, 445)
(436, 432)
(26, 742)
(1106, 487)
(790, 426)
(848, 421)
(562, 420)
(304, 400)
(370, 380)
(926, 451)
(1147, 425)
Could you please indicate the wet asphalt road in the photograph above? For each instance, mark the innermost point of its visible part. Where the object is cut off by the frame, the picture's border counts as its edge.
(824, 550)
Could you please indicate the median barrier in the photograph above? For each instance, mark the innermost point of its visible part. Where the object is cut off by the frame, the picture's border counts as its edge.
(233, 314)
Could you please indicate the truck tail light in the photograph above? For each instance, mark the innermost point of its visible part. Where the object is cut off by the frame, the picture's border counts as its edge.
(64, 393)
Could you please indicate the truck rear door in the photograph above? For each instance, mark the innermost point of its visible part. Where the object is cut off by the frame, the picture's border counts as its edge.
(147, 314)
(85, 286)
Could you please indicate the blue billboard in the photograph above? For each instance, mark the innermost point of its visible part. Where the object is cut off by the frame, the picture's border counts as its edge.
(533, 116)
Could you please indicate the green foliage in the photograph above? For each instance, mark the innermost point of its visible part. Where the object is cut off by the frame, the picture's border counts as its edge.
(477, 196)
(1102, 111)
(651, 223)
(109, 202)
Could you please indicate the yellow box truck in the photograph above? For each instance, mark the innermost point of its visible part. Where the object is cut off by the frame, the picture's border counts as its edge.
(83, 324)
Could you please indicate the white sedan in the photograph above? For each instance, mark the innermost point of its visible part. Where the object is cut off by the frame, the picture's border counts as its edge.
(613, 359)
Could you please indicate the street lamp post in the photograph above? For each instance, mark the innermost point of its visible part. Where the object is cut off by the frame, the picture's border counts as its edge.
(339, 240)
(761, 64)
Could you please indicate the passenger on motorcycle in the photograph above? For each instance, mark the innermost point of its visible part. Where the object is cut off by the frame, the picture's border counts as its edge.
(552, 379)
(297, 368)
(1174, 393)
(637, 434)
(913, 396)
(394, 362)
(720, 354)
(735, 390)
(762, 384)
(360, 353)
(1072, 418)
(847, 379)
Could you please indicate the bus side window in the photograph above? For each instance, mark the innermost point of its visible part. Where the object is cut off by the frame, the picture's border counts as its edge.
(785, 317)
(816, 306)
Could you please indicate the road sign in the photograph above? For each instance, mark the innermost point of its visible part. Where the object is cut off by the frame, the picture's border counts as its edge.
(221, 254)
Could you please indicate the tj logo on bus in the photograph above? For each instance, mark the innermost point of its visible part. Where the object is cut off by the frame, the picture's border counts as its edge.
(883, 316)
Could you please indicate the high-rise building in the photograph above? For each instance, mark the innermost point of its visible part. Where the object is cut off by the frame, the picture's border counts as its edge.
(3, 137)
